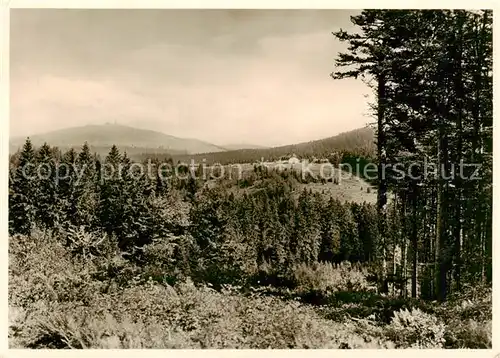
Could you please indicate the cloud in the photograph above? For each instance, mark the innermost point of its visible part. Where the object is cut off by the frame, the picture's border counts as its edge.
(276, 90)
(50, 102)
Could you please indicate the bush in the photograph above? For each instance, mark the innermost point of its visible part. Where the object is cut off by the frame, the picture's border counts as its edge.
(469, 334)
(472, 303)
(42, 269)
(416, 329)
(67, 307)
(89, 245)
(327, 278)
(168, 259)
(81, 328)
(468, 316)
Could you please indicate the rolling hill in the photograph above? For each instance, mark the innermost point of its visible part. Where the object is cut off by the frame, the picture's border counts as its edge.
(133, 140)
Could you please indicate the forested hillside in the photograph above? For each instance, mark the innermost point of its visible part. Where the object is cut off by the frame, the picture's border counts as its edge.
(120, 252)
(358, 142)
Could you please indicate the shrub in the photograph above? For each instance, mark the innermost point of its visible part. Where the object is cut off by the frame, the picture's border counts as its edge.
(468, 316)
(416, 329)
(167, 259)
(80, 328)
(326, 278)
(34, 261)
(88, 245)
(469, 334)
(472, 303)
(48, 273)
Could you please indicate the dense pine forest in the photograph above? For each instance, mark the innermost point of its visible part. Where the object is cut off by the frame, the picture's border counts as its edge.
(121, 252)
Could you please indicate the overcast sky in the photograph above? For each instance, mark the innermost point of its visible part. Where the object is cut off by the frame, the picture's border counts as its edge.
(243, 76)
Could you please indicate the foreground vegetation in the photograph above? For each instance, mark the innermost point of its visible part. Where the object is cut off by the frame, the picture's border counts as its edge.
(57, 299)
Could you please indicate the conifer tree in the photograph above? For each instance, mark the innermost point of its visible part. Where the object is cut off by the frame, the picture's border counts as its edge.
(23, 191)
(47, 201)
(111, 199)
(86, 188)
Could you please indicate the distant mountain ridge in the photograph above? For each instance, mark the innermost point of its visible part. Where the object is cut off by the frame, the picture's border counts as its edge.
(142, 143)
(238, 146)
(124, 137)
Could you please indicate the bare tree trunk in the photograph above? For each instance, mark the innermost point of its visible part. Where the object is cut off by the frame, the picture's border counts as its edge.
(483, 257)
(488, 242)
(477, 143)
(382, 184)
(404, 240)
(437, 241)
(405, 248)
(439, 264)
(459, 90)
(414, 241)
(405, 267)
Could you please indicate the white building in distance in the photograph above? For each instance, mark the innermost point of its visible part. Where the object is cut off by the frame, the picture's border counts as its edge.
(293, 160)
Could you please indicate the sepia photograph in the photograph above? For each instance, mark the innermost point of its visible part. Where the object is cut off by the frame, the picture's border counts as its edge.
(250, 178)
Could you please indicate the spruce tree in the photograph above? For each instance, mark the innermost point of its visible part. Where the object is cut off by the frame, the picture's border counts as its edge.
(23, 192)
(47, 202)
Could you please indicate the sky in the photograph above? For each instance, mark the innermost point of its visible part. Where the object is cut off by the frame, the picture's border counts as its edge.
(222, 76)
